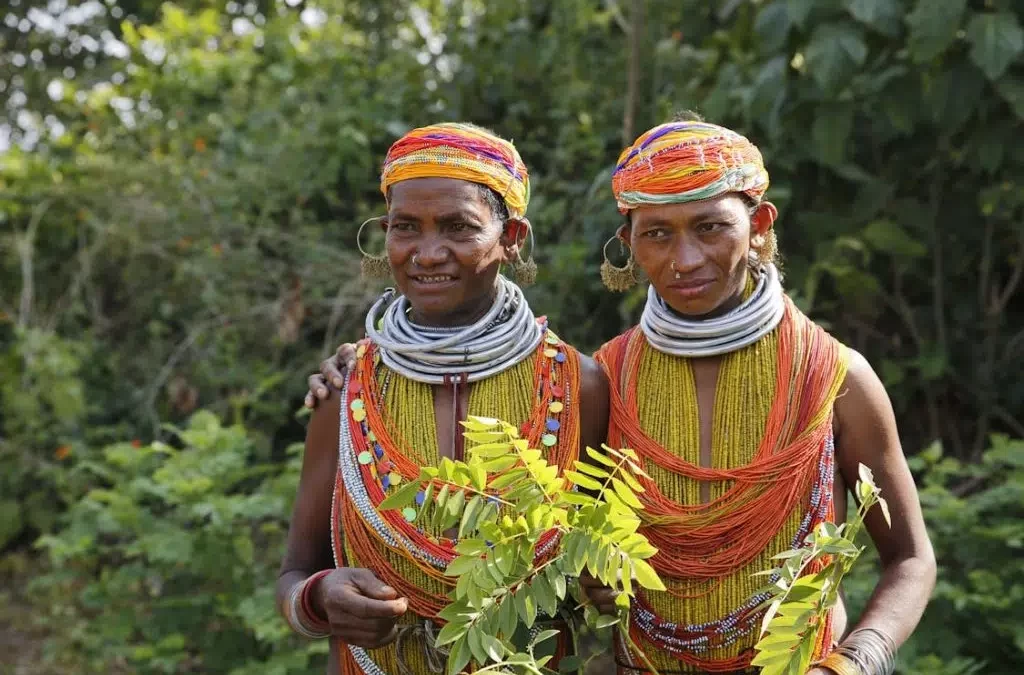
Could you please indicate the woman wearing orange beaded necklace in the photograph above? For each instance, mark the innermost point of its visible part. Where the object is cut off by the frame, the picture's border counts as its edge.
(458, 339)
(750, 418)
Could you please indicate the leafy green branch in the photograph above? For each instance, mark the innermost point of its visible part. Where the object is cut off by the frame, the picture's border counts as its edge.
(798, 600)
(505, 499)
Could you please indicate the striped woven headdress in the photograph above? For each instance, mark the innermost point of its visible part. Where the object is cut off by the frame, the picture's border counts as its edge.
(687, 161)
(463, 151)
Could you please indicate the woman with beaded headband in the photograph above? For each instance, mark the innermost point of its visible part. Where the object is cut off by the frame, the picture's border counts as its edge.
(751, 419)
(456, 339)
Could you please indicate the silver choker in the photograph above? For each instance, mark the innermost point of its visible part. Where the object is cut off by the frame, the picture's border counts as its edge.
(503, 337)
(757, 316)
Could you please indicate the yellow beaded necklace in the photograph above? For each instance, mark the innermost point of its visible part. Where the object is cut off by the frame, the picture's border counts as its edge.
(669, 414)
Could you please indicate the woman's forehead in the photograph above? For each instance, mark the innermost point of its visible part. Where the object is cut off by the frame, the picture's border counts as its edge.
(722, 206)
(455, 191)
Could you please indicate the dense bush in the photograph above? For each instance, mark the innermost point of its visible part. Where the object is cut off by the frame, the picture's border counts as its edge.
(167, 558)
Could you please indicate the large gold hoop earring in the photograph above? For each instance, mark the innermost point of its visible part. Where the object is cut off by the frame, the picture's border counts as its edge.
(618, 279)
(524, 272)
(372, 266)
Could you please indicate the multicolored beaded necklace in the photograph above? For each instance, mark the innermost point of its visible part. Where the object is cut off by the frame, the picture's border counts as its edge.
(375, 457)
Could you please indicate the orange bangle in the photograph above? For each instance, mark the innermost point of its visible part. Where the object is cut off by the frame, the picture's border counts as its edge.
(841, 665)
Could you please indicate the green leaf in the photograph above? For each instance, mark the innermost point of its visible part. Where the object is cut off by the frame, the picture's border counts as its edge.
(456, 504)
(606, 620)
(598, 457)
(577, 498)
(625, 494)
(545, 635)
(526, 606)
(1012, 91)
(507, 619)
(485, 438)
(503, 558)
(468, 522)
(767, 659)
(830, 133)
(996, 41)
(834, 53)
(557, 581)
(477, 423)
(882, 15)
(583, 481)
(476, 645)
(570, 664)
(451, 632)
(592, 470)
(478, 477)
(459, 657)
(489, 451)
(798, 10)
(888, 237)
(933, 27)
(544, 595)
(461, 565)
(954, 94)
(405, 495)
(499, 463)
(493, 648)
(475, 547)
(646, 576)
(772, 27)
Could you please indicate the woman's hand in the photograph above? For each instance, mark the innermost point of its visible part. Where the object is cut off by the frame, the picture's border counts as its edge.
(599, 595)
(361, 609)
(332, 371)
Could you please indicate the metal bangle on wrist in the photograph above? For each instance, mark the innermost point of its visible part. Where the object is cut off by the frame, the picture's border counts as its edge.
(866, 651)
(298, 613)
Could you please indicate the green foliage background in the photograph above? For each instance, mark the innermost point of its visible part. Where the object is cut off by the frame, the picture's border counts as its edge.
(179, 196)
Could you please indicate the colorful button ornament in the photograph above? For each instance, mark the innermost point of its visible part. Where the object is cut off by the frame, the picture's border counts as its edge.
(409, 513)
(549, 439)
(556, 407)
(551, 353)
(552, 425)
(365, 457)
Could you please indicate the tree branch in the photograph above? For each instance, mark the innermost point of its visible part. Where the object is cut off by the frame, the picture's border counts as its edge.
(636, 33)
(26, 250)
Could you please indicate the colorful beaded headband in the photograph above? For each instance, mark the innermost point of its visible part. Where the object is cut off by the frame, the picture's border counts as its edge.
(687, 161)
(462, 151)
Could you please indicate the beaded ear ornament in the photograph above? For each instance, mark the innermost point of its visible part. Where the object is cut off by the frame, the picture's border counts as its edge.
(524, 272)
(618, 279)
(372, 266)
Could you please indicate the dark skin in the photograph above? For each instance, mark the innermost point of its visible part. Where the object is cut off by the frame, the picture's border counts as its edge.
(696, 256)
(445, 246)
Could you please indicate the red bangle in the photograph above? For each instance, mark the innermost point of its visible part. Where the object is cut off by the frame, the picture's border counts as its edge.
(306, 602)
